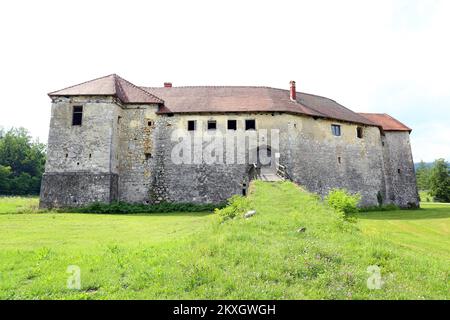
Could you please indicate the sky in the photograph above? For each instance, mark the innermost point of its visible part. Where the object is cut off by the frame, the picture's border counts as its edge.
(385, 56)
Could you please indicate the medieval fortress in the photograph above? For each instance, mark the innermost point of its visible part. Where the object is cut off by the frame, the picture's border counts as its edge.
(111, 140)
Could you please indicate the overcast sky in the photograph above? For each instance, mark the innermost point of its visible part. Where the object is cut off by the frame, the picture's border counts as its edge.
(389, 56)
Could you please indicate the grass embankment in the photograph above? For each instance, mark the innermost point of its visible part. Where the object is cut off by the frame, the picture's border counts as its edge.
(194, 256)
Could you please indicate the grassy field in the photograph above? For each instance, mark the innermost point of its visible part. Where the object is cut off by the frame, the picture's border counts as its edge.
(193, 256)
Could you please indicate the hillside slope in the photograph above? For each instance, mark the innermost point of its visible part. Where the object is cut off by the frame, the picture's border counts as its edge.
(263, 257)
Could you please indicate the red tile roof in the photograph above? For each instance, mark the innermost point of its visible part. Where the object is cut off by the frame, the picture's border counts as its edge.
(222, 99)
(386, 122)
(250, 99)
(111, 85)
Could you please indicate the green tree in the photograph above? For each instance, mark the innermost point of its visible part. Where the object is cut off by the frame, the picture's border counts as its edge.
(423, 174)
(440, 181)
(22, 162)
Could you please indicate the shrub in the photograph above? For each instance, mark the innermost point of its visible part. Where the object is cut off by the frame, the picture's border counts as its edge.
(236, 205)
(342, 201)
(127, 208)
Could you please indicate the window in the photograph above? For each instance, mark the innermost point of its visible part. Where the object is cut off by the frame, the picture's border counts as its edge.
(148, 156)
(212, 125)
(399, 171)
(192, 125)
(359, 132)
(250, 124)
(77, 115)
(232, 125)
(150, 123)
(336, 129)
(339, 160)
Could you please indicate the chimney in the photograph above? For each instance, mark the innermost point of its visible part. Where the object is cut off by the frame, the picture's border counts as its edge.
(167, 84)
(293, 92)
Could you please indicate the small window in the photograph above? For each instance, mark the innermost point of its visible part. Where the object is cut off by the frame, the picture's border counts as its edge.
(212, 125)
(399, 171)
(232, 125)
(336, 130)
(77, 115)
(339, 160)
(192, 125)
(250, 124)
(150, 123)
(359, 132)
(148, 156)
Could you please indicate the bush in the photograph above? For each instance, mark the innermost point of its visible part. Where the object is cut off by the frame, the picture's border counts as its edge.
(342, 201)
(127, 208)
(236, 205)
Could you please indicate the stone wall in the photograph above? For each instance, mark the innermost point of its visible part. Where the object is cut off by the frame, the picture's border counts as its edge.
(136, 153)
(125, 152)
(81, 164)
(401, 186)
(321, 161)
(73, 189)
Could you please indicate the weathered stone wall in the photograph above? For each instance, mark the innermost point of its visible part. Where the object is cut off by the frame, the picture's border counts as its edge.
(401, 186)
(73, 189)
(321, 161)
(81, 165)
(136, 152)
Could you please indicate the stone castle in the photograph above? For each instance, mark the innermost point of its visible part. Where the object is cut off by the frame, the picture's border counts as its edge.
(111, 140)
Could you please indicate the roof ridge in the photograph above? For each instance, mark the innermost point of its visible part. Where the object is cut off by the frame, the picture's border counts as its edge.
(139, 88)
(78, 84)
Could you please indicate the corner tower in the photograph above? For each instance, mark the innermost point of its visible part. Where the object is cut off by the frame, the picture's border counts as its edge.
(83, 145)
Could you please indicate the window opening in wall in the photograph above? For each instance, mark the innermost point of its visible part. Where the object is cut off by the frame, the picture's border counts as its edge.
(90, 155)
(244, 192)
(336, 130)
(118, 119)
(77, 115)
(382, 143)
(191, 125)
(67, 155)
(359, 132)
(148, 156)
(339, 160)
(150, 123)
(250, 124)
(78, 163)
(399, 171)
(212, 125)
(232, 125)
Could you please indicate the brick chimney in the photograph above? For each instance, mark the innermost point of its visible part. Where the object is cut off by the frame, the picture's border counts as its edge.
(167, 84)
(293, 92)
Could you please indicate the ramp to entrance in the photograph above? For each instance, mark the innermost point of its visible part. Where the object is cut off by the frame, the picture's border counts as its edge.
(269, 174)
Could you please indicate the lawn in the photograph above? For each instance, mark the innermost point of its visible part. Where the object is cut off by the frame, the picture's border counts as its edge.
(194, 256)
(421, 232)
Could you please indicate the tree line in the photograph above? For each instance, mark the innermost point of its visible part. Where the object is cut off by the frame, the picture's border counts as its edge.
(434, 179)
(22, 162)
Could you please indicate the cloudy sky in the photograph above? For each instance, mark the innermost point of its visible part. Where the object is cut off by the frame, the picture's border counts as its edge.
(388, 56)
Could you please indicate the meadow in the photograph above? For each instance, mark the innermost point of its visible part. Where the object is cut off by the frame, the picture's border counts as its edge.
(196, 256)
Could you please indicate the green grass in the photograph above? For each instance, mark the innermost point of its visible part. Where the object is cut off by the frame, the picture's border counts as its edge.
(421, 232)
(194, 256)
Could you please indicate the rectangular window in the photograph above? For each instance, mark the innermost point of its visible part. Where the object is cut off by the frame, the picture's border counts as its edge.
(250, 124)
(192, 125)
(77, 115)
(359, 132)
(232, 125)
(336, 130)
(212, 125)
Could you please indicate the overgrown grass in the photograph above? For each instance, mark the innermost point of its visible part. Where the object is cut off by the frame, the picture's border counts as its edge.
(263, 257)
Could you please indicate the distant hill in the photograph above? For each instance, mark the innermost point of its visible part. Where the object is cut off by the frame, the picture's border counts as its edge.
(427, 164)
